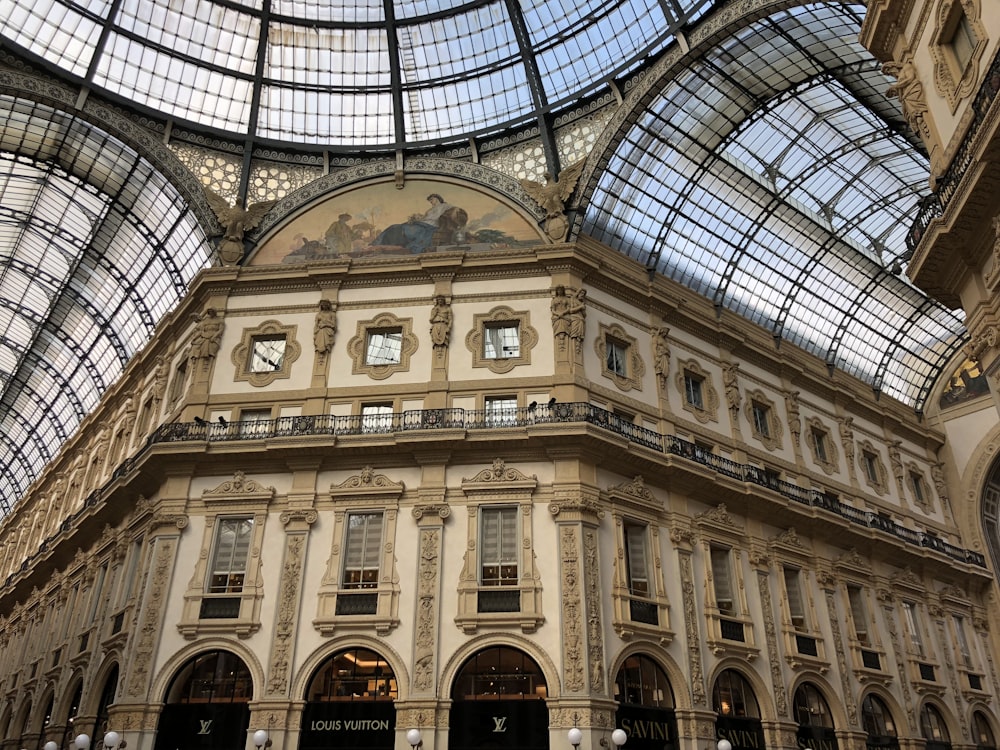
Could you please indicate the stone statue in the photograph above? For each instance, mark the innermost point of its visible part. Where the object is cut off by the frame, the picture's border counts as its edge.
(160, 379)
(552, 196)
(560, 315)
(440, 322)
(207, 335)
(730, 381)
(577, 313)
(661, 354)
(847, 439)
(896, 461)
(235, 222)
(937, 476)
(325, 327)
(910, 92)
(792, 407)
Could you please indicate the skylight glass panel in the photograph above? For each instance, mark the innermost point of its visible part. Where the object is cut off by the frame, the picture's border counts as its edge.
(352, 59)
(360, 11)
(176, 87)
(359, 119)
(574, 51)
(55, 31)
(458, 45)
(206, 31)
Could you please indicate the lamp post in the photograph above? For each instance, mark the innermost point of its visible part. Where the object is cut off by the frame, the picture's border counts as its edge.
(81, 742)
(724, 745)
(114, 741)
(50, 745)
(260, 739)
(618, 737)
(414, 738)
(575, 737)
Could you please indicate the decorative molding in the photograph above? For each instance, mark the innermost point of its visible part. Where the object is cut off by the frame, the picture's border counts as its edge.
(709, 409)
(367, 482)
(474, 340)
(357, 347)
(239, 488)
(635, 367)
(425, 629)
(243, 353)
(286, 619)
(572, 609)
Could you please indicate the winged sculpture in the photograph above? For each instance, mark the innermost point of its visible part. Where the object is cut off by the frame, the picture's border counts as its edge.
(552, 196)
(236, 222)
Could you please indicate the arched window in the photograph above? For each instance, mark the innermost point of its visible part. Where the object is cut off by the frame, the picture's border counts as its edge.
(733, 696)
(357, 674)
(499, 673)
(877, 722)
(642, 682)
(933, 728)
(71, 712)
(811, 708)
(107, 698)
(213, 677)
(982, 733)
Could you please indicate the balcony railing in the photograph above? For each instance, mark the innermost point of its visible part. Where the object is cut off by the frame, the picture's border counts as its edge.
(947, 185)
(514, 419)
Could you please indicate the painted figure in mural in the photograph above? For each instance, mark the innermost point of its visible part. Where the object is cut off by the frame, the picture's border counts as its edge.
(339, 236)
(417, 234)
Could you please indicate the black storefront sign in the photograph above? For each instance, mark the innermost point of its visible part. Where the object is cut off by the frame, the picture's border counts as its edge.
(648, 728)
(742, 733)
(203, 726)
(882, 742)
(367, 725)
(816, 738)
(482, 725)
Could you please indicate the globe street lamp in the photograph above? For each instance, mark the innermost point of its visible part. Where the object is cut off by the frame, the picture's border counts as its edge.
(575, 737)
(618, 737)
(82, 742)
(50, 745)
(414, 738)
(114, 741)
(260, 739)
(724, 745)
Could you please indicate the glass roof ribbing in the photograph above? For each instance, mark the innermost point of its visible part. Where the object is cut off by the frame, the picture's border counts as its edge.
(773, 176)
(348, 74)
(95, 248)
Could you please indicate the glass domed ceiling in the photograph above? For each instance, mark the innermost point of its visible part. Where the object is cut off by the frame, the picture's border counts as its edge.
(355, 74)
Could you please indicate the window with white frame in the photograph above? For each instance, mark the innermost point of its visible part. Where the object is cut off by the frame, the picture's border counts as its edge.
(637, 559)
(859, 613)
(819, 438)
(911, 617)
(761, 417)
(362, 550)
(796, 604)
(376, 417)
(254, 422)
(384, 346)
(616, 357)
(267, 353)
(722, 580)
(498, 562)
(502, 340)
(500, 411)
(962, 641)
(869, 462)
(230, 553)
(693, 390)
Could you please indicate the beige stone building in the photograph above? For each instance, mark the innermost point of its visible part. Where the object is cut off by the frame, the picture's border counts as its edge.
(387, 440)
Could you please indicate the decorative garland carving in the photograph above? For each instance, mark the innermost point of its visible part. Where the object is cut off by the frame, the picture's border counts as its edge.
(571, 607)
(595, 628)
(692, 632)
(152, 619)
(427, 616)
(285, 625)
(771, 636)
(838, 645)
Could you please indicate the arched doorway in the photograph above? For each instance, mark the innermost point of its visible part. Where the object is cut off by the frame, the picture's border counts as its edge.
(71, 712)
(737, 712)
(645, 705)
(107, 698)
(350, 703)
(877, 721)
(816, 730)
(982, 732)
(933, 728)
(498, 700)
(207, 705)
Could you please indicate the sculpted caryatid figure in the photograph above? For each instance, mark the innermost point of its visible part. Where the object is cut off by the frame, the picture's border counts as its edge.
(325, 327)
(910, 92)
(440, 322)
(578, 317)
(661, 354)
(207, 335)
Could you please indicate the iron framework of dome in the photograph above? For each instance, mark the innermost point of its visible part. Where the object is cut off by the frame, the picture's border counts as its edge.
(765, 168)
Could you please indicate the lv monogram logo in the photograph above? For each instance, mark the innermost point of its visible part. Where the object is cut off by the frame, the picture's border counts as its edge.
(499, 724)
(206, 726)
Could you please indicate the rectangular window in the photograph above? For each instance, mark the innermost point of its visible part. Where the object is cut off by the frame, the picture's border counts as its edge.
(870, 461)
(384, 347)
(962, 641)
(254, 422)
(230, 555)
(131, 571)
(636, 564)
(267, 353)
(722, 580)
(692, 390)
(819, 440)
(178, 383)
(95, 599)
(859, 614)
(362, 550)
(761, 414)
(913, 627)
(917, 484)
(963, 42)
(502, 341)
(793, 589)
(501, 411)
(617, 357)
(376, 417)
(498, 563)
